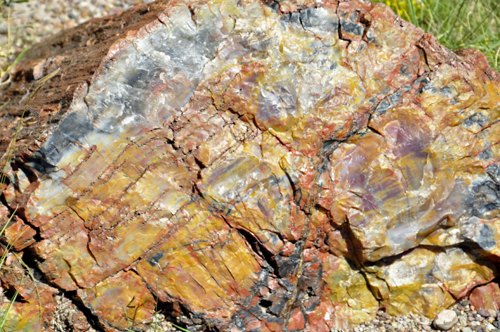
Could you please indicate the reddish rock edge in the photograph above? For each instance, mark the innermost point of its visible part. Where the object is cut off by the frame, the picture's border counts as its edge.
(78, 53)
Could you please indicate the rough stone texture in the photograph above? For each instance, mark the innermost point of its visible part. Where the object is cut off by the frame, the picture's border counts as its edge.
(253, 166)
(486, 297)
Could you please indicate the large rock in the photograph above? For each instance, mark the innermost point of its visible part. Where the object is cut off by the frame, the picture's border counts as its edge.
(252, 166)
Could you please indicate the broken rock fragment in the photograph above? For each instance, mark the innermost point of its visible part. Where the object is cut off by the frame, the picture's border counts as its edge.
(486, 297)
(252, 166)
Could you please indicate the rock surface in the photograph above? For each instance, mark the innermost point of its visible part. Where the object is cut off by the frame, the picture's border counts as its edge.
(251, 166)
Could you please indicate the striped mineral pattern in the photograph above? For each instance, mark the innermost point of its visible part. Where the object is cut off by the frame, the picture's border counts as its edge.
(259, 166)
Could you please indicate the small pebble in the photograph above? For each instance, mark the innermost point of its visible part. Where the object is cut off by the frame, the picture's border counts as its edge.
(483, 312)
(445, 320)
(424, 320)
(479, 320)
(489, 327)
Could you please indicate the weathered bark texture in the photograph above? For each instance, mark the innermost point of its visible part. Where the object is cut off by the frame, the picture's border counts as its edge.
(252, 166)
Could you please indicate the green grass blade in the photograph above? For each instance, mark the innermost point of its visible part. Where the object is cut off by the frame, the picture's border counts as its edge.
(3, 321)
(19, 57)
(180, 328)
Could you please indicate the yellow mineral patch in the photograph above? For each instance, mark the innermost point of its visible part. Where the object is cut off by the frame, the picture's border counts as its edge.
(123, 298)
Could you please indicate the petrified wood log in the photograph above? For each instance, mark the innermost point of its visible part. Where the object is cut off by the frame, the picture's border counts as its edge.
(252, 166)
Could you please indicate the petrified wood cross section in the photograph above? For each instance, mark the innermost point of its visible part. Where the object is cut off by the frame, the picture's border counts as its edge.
(254, 166)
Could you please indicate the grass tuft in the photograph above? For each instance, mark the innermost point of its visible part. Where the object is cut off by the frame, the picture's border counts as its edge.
(457, 24)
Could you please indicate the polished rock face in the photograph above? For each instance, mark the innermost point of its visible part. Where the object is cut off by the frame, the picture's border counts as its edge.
(269, 167)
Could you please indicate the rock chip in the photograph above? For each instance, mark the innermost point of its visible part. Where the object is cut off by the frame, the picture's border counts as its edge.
(445, 320)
